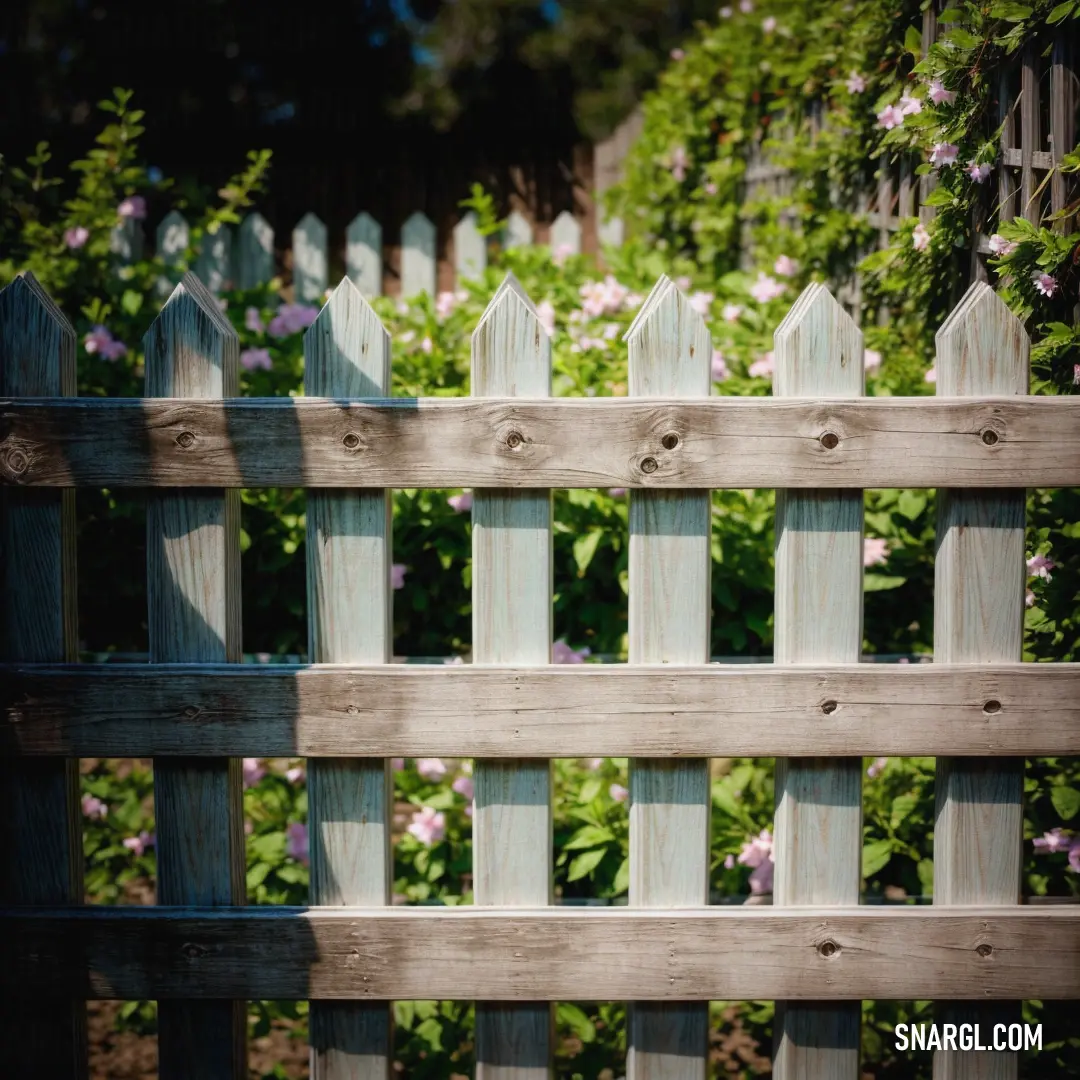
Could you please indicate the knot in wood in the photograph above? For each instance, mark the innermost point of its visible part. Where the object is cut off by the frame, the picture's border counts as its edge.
(350, 440)
(649, 465)
(992, 431)
(828, 707)
(514, 439)
(185, 440)
(985, 949)
(670, 440)
(191, 951)
(830, 440)
(992, 707)
(17, 462)
(989, 436)
(191, 712)
(828, 948)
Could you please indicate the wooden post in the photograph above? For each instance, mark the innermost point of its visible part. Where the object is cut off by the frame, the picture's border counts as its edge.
(417, 257)
(41, 849)
(309, 270)
(1029, 133)
(254, 252)
(819, 608)
(213, 267)
(979, 575)
(350, 607)
(518, 232)
(470, 249)
(193, 592)
(1062, 124)
(363, 254)
(669, 610)
(512, 624)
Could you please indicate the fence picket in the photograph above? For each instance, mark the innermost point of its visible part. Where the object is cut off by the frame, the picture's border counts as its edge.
(512, 623)
(213, 266)
(309, 267)
(417, 256)
(982, 349)
(193, 593)
(566, 234)
(172, 239)
(350, 608)
(254, 252)
(670, 351)
(470, 249)
(41, 849)
(363, 254)
(518, 231)
(819, 569)
(127, 240)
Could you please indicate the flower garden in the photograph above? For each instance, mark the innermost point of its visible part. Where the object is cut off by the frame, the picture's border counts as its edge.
(681, 200)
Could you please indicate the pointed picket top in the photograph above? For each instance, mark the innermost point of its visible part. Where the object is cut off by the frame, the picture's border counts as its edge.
(470, 249)
(172, 237)
(191, 348)
(611, 232)
(214, 263)
(309, 264)
(518, 232)
(254, 252)
(37, 342)
(511, 350)
(818, 349)
(982, 348)
(126, 240)
(347, 348)
(670, 347)
(662, 282)
(363, 254)
(417, 256)
(566, 234)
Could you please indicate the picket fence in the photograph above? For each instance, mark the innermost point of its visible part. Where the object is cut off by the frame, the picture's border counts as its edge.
(197, 711)
(247, 259)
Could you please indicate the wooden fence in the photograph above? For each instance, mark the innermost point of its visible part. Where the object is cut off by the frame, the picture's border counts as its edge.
(197, 711)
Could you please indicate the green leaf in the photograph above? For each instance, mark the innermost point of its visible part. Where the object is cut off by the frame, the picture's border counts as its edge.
(875, 855)
(880, 582)
(911, 503)
(1061, 12)
(1010, 12)
(431, 1032)
(962, 39)
(723, 799)
(913, 41)
(585, 548)
(585, 863)
(404, 1014)
(576, 1020)
(1066, 801)
(622, 878)
(925, 870)
(950, 14)
(589, 836)
(590, 789)
(902, 806)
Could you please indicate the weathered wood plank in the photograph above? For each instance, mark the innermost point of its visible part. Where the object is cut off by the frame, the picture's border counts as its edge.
(213, 265)
(616, 710)
(565, 235)
(518, 231)
(470, 249)
(363, 254)
(512, 624)
(309, 265)
(670, 600)
(254, 252)
(41, 842)
(172, 240)
(193, 594)
(979, 571)
(613, 954)
(350, 610)
(569, 442)
(819, 614)
(418, 264)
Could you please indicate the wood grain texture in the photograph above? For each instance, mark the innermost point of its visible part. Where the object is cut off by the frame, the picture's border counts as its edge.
(309, 259)
(609, 710)
(41, 842)
(512, 624)
(979, 575)
(819, 611)
(193, 593)
(569, 442)
(552, 954)
(418, 255)
(363, 254)
(350, 610)
(670, 601)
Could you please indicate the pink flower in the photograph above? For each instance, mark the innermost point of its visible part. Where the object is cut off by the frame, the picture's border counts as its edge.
(93, 807)
(616, 491)
(296, 842)
(594, 763)
(977, 172)
(295, 774)
(546, 313)
(931, 376)
(618, 792)
(1001, 247)
(683, 283)
(785, 266)
(729, 862)
(253, 320)
(768, 24)
(1029, 598)
(877, 768)
(677, 54)
(731, 312)
(561, 653)
(757, 850)
(444, 304)
(889, 117)
(711, 188)
(1074, 857)
(426, 345)
(1076, 374)
(920, 238)
(762, 367)
(461, 503)
(856, 84)
(909, 105)
(1053, 841)
(76, 237)
(431, 768)
(397, 764)
(875, 551)
(1045, 283)
(134, 206)
(766, 288)
(745, 6)
(701, 302)
(253, 771)
(256, 359)
(761, 879)
(463, 785)
(602, 297)
(939, 95)
(428, 826)
(679, 161)
(291, 319)
(1040, 566)
(943, 154)
(871, 360)
(724, 13)
(397, 576)
(719, 366)
(101, 341)
(138, 844)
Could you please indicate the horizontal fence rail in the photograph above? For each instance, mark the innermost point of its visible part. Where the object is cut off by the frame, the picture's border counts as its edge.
(508, 954)
(151, 710)
(987, 442)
